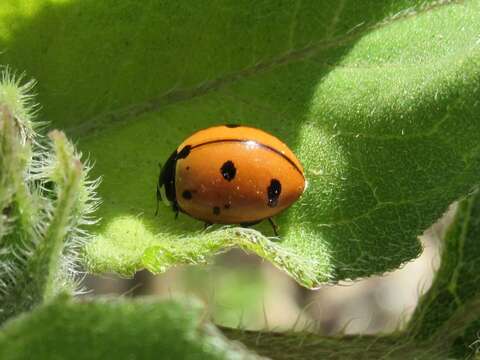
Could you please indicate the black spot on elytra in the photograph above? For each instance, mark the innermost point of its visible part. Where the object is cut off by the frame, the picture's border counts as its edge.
(226, 206)
(273, 192)
(232, 125)
(216, 210)
(228, 170)
(188, 167)
(187, 194)
(184, 152)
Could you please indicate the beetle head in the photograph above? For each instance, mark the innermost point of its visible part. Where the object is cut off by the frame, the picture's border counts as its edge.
(166, 182)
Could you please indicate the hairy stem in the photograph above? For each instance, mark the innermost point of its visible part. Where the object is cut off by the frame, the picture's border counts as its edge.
(47, 261)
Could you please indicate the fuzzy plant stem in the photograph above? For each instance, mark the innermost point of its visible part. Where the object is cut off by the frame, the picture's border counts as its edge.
(45, 202)
(48, 259)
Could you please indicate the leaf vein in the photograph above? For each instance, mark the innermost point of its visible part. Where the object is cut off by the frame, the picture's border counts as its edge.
(119, 116)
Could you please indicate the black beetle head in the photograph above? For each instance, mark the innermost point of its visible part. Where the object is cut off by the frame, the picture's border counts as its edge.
(166, 182)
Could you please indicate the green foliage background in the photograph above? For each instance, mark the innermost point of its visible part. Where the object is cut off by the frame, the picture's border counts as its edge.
(378, 99)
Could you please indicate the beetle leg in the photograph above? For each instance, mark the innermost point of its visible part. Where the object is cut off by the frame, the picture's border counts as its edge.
(250, 223)
(206, 225)
(176, 210)
(274, 226)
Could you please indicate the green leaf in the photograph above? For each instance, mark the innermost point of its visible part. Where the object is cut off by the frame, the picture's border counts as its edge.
(445, 324)
(378, 100)
(451, 308)
(120, 329)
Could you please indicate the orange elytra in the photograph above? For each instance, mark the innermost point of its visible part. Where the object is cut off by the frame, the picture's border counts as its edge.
(231, 174)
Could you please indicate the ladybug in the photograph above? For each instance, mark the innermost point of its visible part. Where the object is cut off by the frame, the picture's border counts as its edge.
(231, 174)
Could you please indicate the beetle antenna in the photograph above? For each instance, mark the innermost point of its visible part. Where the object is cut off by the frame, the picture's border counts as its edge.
(159, 198)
